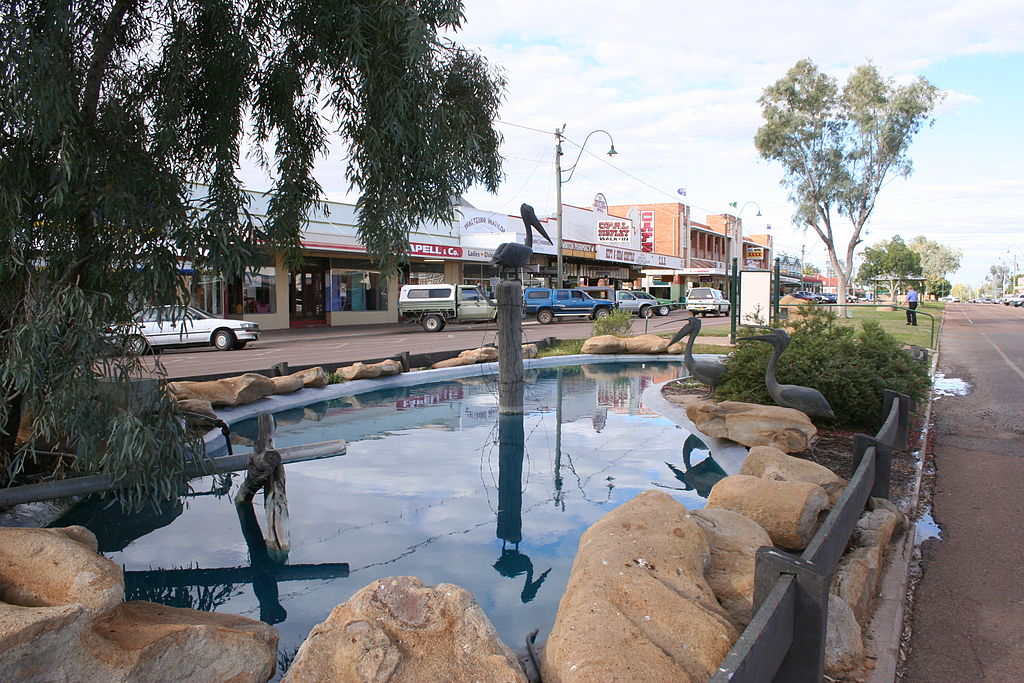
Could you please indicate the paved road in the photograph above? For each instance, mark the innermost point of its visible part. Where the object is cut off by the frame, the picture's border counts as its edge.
(347, 344)
(968, 620)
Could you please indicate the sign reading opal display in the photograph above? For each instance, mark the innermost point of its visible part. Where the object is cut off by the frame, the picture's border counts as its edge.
(614, 231)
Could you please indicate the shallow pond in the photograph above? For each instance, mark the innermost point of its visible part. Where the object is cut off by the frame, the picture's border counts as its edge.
(433, 485)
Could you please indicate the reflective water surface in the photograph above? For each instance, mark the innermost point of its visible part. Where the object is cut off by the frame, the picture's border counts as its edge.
(433, 485)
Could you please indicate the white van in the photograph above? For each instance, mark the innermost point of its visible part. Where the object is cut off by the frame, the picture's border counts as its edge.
(706, 300)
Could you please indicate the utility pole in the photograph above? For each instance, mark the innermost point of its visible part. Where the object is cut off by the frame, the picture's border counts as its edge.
(558, 203)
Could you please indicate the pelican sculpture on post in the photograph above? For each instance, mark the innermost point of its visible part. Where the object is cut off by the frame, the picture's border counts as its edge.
(512, 255)
(706, 372)
(807, 400)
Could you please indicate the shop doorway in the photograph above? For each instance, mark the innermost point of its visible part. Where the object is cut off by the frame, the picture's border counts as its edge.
(307, 294)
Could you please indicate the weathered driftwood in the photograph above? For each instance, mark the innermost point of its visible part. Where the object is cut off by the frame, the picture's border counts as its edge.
(511, 380)
(266, 471)
(275, 503)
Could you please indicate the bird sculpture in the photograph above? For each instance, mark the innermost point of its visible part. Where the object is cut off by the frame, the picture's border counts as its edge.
(809, 401)
(706, 372)
(512, 255)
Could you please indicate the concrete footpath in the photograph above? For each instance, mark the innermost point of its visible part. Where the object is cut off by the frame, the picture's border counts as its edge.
(967, 622)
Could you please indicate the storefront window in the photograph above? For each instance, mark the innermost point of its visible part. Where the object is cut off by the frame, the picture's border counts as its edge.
(207, 293)
(355, 287)
(480, 274)
(425, 274)
(254, 292)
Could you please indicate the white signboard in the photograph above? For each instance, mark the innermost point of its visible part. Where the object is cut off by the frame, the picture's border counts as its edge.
(755, 297)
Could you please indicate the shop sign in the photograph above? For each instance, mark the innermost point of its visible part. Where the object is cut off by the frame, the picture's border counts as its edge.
(614, 231)
(477, 253)
(755, 252)
(647, 230)
(481, 224)
(435, 250)
(600, 204)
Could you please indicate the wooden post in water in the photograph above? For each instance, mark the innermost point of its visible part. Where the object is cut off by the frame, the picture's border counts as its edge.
(266, 472)
(510, 348)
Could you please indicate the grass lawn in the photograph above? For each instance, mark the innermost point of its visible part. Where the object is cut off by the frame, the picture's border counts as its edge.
(895, 322)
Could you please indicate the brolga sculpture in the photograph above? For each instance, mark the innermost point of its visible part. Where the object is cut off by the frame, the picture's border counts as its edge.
(706, 372)
(512, 255)
(807, 400)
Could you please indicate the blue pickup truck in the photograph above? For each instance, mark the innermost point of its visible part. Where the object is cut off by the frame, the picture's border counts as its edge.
(547, 304)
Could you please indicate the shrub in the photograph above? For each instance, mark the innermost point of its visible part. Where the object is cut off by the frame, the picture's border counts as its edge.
(565, 347)
(618, 323)
(850, 367)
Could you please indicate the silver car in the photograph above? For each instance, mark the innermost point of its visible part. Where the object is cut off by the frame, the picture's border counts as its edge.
(173, 326)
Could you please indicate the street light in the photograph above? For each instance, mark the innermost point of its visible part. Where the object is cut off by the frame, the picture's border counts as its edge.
(559, 182)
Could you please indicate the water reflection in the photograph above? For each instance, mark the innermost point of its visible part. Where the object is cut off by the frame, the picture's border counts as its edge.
(702, 476)
(511, 451)
(434, 484)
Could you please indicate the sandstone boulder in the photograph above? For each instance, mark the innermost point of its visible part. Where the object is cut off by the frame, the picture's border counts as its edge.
(397, 629)
(54, 567)
(645, 343)
(844, 646)
(313, 378)
(637, 606)
(750, 424)
(605, 343)
(790, 511)
(734, 540)
(484, 354)
(287, 384)
(455, 362)
(795, 307)
(230, 391)
(384, 368)
(62, 618)
(530, 351)
(856, 579)
(767, 462)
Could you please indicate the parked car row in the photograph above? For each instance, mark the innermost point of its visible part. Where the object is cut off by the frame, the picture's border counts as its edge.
(434, 306)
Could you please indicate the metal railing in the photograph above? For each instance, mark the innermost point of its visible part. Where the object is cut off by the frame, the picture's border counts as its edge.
(785, 640)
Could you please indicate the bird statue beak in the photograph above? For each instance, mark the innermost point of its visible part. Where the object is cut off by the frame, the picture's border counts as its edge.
(683, 331)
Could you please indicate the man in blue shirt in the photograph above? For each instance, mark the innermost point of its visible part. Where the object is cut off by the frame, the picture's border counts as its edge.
(912, 299)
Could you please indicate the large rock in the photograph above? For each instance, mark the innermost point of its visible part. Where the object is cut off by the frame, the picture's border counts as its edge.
(645, 343)
(844, 646)
(455, 362)
(230, 391)
(484, 354)
(767, 462)
(637, 606)
(790, 511)
(384, 368)
(605, 343)
(287, 384)
(313, 378)
(62, 618)
(858, 574)
(529, 350)
(54, 567)
(795, 308)
(201, 415)
(734, 540)
(396, 629)
(751, 424)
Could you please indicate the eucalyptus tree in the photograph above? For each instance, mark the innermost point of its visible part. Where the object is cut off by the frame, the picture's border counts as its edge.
(892, 262)
(111, 111)
(838, 147)
(937, 261)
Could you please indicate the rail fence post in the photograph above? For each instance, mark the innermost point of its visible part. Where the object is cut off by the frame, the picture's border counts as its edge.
(883, 462)
(903, 416)
(805, 660)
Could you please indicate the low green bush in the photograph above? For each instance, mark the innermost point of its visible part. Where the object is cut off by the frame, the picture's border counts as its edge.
(617, 322)
(850, 367)
(565, 347)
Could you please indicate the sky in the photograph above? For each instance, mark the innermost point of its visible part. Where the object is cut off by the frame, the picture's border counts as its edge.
(676, 85)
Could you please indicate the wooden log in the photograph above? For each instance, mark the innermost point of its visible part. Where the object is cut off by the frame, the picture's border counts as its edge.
(261, 467)
(275, 503)
(511, 381)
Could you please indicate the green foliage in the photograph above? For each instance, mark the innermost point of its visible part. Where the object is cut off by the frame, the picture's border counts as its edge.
(565, 347)
(838, 146)
(122, 127)
(891, 261)
(850, 367)
(618, 322)
(937, 261)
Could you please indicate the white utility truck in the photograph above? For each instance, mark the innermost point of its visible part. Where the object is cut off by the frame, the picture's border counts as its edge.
(434, 306)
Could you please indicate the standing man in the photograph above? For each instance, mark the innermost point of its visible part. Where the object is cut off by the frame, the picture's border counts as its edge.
(912, 299)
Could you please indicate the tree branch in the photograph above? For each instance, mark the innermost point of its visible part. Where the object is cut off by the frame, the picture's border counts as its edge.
(102, 48)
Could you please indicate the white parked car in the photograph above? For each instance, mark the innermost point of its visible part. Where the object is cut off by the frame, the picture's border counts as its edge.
(172, 326)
